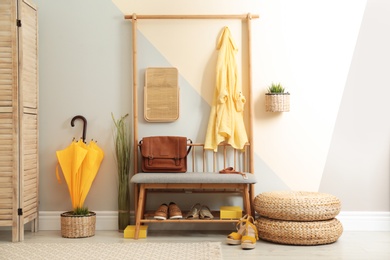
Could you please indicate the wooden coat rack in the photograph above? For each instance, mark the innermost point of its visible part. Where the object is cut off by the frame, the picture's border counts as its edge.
(245, 17)
(142, 186)
(134, 17)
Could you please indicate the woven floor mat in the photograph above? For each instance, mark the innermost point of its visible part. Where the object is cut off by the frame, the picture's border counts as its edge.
(125, 250)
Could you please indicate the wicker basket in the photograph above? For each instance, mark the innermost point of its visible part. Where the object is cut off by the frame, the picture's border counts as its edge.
(77, 226)
(277, 102)
(297, 205)
(299, 232)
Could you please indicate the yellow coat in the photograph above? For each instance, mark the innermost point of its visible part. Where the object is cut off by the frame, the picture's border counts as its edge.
(226, 122)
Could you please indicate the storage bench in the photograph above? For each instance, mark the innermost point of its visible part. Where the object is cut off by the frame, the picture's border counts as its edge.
(197, 181)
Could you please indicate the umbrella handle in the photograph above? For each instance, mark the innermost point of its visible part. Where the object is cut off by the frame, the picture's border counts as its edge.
(84, 126)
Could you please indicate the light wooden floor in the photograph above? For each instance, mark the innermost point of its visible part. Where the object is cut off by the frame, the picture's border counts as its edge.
(351, 245)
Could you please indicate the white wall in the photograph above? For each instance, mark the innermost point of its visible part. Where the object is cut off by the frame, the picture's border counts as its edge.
(323, 144)
(357, 166)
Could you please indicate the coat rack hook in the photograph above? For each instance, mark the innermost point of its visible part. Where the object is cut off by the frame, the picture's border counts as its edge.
(84, 126)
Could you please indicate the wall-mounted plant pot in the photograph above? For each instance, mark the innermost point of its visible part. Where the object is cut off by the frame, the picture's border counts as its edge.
(78, 226)
(277, 102)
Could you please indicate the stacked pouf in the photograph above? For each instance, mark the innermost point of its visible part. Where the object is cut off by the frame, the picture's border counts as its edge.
(298, 217)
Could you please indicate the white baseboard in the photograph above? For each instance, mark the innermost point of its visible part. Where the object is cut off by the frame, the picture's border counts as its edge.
(365, 220)
(108, 220)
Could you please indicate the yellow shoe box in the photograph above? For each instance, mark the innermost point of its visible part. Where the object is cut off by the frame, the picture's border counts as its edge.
(230, 212)
(130, 231)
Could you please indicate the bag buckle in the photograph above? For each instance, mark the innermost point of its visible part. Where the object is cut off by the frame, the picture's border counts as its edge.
(177, 161)
(150, 159)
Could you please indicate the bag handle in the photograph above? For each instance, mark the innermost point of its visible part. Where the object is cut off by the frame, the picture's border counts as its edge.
(188, 140)
(190, 146)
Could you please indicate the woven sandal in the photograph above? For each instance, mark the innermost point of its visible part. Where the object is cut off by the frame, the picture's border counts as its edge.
(234, 238)
(205, 213)
(248, 240)
(194, 212)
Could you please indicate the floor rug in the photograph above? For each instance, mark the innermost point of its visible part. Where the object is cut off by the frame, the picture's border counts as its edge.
(131, 250)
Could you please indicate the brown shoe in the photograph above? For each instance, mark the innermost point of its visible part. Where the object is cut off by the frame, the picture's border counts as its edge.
(161, 212)
(174, 211)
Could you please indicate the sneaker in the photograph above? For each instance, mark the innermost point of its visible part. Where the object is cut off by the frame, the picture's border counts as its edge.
(161, 212)
(174, 211)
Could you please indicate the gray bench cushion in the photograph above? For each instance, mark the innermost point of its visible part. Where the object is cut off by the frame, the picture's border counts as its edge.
(192, 177)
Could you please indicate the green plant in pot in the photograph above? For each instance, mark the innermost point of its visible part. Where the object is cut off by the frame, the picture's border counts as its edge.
(122, 143)
(277, 99)
(276, 88)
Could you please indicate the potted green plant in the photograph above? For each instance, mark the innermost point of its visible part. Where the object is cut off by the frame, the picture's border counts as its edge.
(276, 99)
(122, 143)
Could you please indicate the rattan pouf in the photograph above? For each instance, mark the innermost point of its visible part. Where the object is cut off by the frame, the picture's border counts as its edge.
(299, 232)
(298, 217)
(297, 205)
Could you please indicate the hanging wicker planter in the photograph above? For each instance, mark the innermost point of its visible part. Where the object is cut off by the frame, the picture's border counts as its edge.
(78, 226)
(277, 102)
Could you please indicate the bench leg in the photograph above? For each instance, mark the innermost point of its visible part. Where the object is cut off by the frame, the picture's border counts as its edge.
(246, 198)
(140, 210)
(252, 198)
(136, 192)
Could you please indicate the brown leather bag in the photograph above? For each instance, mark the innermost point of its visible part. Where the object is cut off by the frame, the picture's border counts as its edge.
(164, 153)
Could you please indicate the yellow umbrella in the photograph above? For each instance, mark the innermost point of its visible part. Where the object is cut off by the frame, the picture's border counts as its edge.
(70, 159)
(79, 163)
(226, 122)
(90, 168)
(78, 176)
